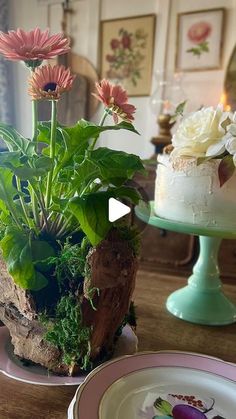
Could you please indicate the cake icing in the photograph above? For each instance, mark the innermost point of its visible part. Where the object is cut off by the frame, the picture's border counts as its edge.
(191, 193)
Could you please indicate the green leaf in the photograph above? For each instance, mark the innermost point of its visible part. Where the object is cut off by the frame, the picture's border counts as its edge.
(92, 213)
(3, 207)
(126, 192)
(7, 190)
(85, 173)
(16, 141)
(42, 165)
(163, 406)
(199, 49)
(41, 251)
(17, 252)
(91, 210)
(116, 166)
(226, 169)
(77, 137)
(44, 133)
(179, 111)
(10, 158)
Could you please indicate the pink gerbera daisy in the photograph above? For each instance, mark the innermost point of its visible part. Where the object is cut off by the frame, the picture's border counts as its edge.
(115, 98)
(50, 82)
(35, 45)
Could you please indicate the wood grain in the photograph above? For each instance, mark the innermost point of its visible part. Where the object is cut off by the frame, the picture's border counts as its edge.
(157, 330)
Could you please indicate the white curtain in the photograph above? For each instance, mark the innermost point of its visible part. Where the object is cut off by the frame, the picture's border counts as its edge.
(6, 87)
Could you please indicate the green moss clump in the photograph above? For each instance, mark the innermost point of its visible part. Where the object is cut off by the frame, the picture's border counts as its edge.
(70, 265)
(68, 333)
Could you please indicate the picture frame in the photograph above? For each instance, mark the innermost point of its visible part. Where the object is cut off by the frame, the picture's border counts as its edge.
(127, 48)
(200, 40)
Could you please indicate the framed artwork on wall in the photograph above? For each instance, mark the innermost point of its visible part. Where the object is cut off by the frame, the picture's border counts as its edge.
(127, 47)
(200, 40)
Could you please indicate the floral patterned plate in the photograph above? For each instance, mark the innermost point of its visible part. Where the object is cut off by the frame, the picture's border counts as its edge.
(161, 385)
(13, 367)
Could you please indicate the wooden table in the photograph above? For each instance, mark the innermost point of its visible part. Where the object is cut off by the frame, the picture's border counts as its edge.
(157, 330)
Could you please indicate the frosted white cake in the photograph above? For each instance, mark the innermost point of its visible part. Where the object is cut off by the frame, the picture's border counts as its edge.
(192, 194)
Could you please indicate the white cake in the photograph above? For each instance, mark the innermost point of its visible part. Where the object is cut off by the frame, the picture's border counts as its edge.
(192, 194)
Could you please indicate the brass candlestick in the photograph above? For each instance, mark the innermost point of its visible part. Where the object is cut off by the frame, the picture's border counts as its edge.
(164, 137)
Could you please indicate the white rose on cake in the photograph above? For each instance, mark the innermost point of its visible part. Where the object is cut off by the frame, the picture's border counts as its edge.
(198, 131)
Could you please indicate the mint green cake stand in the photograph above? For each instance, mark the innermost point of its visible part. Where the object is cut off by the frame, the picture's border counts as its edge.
(202, 301)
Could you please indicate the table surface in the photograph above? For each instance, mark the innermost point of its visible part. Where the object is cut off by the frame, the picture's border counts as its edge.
(157, 330)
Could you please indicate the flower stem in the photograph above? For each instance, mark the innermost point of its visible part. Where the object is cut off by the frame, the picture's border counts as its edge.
(34, 119)
(101, 123)
(34, 138)
(44, 212)
(28, 221)
(52, 151)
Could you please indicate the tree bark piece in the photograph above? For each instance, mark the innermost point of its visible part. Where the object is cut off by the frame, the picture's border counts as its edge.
(112, 272)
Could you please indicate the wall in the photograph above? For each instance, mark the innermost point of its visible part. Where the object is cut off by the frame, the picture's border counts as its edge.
(203, 87)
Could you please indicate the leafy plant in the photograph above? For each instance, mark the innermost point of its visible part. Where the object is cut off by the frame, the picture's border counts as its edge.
(58, 183)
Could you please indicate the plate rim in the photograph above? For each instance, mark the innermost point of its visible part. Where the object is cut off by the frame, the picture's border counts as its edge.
(53, 379)
(108, 364)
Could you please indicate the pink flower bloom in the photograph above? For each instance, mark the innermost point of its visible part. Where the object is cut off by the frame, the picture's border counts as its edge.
(50, 82)
(115, 43)
(115, 98)
(199, 32)
(34, 45)
(126, 41)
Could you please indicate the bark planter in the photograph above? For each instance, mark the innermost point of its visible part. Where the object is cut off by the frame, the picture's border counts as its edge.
(102, 300)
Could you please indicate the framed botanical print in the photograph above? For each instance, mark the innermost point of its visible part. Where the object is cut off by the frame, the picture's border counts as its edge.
(127, 52)
(199, 40)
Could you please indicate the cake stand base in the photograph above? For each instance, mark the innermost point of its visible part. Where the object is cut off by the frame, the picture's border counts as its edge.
(202, 300)
(209, 308)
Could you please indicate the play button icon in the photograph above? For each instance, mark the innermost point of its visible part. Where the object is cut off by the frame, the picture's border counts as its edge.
(117, 209)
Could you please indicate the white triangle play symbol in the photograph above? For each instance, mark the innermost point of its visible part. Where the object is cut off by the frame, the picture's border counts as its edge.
(117, 210)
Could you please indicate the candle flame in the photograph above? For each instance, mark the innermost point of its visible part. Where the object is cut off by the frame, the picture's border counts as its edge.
(223, 100)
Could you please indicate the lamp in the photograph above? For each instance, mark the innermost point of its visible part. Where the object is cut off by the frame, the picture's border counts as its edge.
(163, 102)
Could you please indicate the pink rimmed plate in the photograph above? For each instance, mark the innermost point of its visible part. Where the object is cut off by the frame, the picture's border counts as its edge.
(159, 385)
(13, 367)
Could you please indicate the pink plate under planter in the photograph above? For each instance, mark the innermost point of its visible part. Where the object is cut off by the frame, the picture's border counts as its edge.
(158, 385)
(13, 367)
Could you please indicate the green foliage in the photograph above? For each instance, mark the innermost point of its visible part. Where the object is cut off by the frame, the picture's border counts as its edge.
(91, 210)
(68, 333)
(16, 141)
(21, 253)
(59, 195)
(179, 111)
(199, 49)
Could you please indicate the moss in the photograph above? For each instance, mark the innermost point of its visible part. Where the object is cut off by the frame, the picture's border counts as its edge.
(68, 333)
(70, 265)
(132, 235)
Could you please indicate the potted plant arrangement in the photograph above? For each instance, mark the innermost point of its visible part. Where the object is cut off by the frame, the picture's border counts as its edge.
(67, 273)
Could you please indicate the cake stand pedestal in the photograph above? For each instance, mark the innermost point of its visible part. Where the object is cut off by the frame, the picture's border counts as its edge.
(202, 301)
